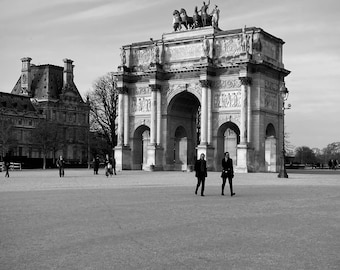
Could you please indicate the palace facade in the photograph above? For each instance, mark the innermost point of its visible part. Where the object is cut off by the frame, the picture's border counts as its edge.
(47, 92)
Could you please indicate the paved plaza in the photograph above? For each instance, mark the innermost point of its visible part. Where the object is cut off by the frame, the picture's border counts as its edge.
(153, 220)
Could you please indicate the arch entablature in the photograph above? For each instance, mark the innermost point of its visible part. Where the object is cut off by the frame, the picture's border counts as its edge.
(169, 92)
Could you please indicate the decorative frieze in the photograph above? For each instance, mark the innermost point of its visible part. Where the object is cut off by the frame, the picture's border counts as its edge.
(226, 100)
(270, 101)
(140, 104)
(183, 52)
(233, 83)
(271, 86)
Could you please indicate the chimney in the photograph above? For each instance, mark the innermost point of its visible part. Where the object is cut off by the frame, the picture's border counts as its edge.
(26, 76)
(68, 72)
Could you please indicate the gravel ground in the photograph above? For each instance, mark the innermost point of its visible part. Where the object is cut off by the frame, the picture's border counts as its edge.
(153, 220)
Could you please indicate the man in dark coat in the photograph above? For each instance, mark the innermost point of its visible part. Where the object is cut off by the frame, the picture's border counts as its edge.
(201, 173)
(227, 172)
(96, 163)
(61, 166)
(7, 164)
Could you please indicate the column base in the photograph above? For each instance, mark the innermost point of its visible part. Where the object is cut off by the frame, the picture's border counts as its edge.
(242, 159)
(154, 159)
(123, 157)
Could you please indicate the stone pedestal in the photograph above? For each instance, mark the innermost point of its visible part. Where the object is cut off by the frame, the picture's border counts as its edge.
(154, 159)
(242, 159)
(123, 158)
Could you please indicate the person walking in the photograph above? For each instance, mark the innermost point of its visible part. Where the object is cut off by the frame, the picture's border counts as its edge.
(201, 173)
(61, 165)
(96, 165)
(7, 164)
(227, 172)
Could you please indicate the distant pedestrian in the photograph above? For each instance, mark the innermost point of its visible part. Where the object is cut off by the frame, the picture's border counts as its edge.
(96, 163)
(201, 173)
(61, 166)
(335, 164)
(227, 172)
(7, 164)
(330, 164)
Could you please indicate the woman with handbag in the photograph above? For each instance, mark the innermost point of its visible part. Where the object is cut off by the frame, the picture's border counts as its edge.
(227, 172)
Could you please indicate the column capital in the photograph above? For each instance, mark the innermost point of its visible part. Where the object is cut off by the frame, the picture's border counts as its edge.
(155, 87)
(245, 80)
(123, 90)
(205, 83)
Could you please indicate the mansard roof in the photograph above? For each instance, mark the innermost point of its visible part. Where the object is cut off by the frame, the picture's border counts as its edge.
(16, 102)
(47, 83)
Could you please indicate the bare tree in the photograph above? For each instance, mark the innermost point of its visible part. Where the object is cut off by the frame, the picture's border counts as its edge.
(7, 136)
(103, 101)
(47, 136)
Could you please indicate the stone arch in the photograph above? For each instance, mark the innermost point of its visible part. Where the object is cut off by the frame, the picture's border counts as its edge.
(270, 149)
(228, 137)
(183, 126)
(140, 142)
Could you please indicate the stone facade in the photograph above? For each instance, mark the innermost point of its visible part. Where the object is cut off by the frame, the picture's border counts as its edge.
(49, 93)
(201, 91)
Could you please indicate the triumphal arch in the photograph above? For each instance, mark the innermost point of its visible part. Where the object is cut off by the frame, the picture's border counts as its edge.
(201, 90)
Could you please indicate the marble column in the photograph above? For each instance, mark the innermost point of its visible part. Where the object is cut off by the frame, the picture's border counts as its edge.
(242, 148)
(244, 110)
(153, 116)
(159, 117)
(122, 151)
(126, 119)
(209, 125)
(204, 112)
(249, 114)
(120, 130)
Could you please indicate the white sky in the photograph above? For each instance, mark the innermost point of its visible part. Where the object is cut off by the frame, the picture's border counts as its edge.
(90, 32)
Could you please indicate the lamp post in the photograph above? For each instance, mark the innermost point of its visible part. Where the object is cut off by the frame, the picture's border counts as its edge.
(284, 96)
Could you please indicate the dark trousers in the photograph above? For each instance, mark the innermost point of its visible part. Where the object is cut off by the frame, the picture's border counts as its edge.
(200, 181)
(230, 180)
(61, 171)
(7, 171)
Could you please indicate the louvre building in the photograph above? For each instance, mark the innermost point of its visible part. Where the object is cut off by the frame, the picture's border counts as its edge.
(44, 93)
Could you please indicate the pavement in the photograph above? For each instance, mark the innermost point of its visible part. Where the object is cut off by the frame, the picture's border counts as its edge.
(153, 220)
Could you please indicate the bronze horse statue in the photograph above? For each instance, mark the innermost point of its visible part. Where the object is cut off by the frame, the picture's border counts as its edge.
(196, 21)
(186, 20)
(177, 21)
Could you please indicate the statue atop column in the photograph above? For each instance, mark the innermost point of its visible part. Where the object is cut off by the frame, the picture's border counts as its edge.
(122, 56)
(206, 47)
(204, 14)
(215, 14)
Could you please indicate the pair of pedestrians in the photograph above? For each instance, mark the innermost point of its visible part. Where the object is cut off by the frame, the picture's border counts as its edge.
(227, 173)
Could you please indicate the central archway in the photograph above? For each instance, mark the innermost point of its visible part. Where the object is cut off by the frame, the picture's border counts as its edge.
(184, 131)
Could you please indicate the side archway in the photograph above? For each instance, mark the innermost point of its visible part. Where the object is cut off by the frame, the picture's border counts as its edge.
(228, 137)
(140, 142)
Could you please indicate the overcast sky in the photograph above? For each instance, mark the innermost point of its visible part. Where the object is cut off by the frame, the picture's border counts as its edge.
(90, 32)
